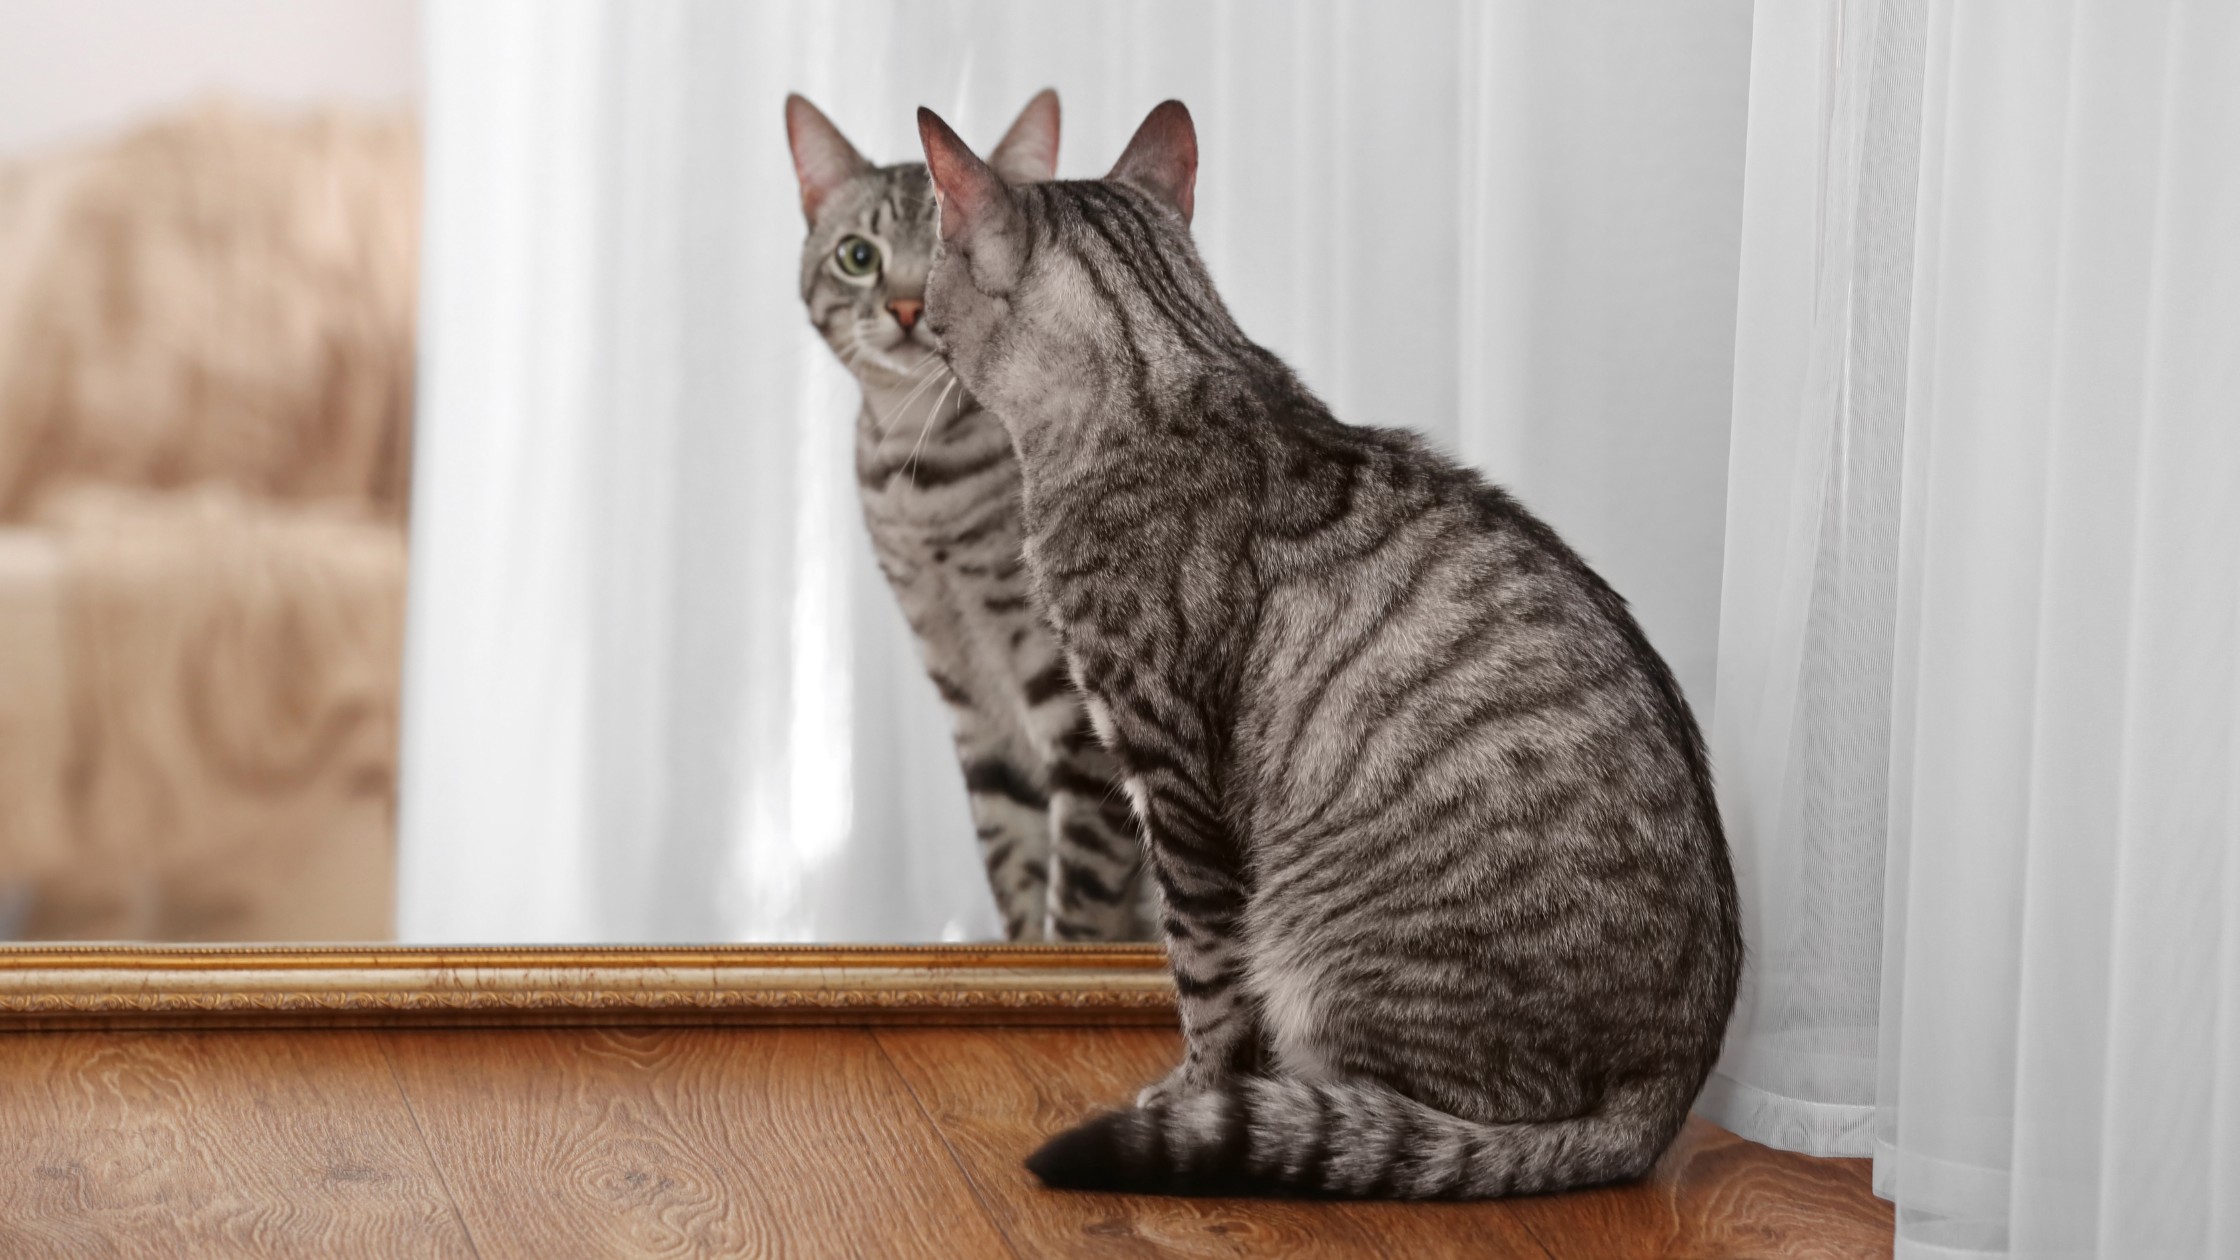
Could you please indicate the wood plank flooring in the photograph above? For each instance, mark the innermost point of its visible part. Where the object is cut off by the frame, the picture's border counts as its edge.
(727, 1142)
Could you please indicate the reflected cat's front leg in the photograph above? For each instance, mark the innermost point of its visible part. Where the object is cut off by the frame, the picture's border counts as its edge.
(1010, 816)
(1013, 832)
(1098, 884)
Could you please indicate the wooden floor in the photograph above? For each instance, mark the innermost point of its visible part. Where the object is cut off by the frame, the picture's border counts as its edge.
(681, 1142)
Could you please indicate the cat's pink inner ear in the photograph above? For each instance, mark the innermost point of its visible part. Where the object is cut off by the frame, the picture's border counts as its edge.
(823, 159)
(1028, 153)
(1162, 160)
(962, 184)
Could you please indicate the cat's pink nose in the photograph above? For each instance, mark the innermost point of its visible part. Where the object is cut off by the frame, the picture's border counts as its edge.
(906, 311)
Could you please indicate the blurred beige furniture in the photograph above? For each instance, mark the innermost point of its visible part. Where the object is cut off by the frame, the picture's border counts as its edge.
(205, 391)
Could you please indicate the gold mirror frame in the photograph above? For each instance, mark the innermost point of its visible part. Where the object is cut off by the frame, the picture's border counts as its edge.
(158, 986)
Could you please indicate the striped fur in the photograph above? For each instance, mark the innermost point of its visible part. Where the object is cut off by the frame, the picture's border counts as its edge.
(940, 493)
(1446, 896)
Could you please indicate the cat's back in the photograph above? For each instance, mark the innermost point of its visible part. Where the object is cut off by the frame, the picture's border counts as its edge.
(1458, 743)
(1423, 637)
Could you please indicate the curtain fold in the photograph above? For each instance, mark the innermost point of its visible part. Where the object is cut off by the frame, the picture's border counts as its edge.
(1800, 735)
(1982, 615)
(2068, 718)
(655, 688)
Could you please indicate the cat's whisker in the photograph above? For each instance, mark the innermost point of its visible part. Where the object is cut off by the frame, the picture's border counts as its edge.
(903, 408)
(912, 463)
(956, 383)
(933, 410)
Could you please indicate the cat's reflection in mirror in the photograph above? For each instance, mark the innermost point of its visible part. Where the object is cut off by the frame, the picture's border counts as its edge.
(941, 495)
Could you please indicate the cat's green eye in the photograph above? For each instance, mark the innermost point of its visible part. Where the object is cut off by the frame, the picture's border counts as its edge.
(857, 256)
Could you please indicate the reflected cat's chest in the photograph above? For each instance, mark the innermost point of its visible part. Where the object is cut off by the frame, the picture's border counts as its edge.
(942, 510)
(926, 477)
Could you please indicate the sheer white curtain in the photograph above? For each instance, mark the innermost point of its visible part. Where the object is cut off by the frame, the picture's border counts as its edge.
(656, 690)
(1800, 731)
(1979, 693)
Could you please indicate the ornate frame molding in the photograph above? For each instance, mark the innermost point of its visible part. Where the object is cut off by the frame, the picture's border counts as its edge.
(153, 986)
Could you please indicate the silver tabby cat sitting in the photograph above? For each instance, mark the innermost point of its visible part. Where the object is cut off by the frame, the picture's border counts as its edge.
(940, 493)
(1446, 896)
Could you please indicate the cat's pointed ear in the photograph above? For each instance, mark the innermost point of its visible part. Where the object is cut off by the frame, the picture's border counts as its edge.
(971, 196)
(1162, 160)
(1028, 153)
(822, 157)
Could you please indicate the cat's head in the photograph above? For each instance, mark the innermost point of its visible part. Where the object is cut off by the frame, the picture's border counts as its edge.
(871, 235)
(1044, 295)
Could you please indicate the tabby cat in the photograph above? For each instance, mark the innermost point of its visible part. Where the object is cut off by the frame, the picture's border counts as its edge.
(940, 492)
(1446, 897)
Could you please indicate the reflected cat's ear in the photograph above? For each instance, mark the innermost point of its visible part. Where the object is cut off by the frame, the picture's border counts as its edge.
(1162, 160)
(1028, 153)
(971, 196)
(822, 157)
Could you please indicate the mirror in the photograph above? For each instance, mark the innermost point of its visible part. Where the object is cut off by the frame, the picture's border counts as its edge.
(527, 307)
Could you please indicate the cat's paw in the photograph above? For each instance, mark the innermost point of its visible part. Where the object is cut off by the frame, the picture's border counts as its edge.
(1159, 1093)
(1179, 1084)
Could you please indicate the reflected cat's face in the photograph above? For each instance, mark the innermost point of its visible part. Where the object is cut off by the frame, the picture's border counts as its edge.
(871, 235)
(863, 270)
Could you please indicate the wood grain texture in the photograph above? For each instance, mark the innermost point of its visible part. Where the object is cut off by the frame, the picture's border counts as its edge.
(1715, 1196)
(996, 1094)
(686, 1142)
(173, 1144)
(752, 1141)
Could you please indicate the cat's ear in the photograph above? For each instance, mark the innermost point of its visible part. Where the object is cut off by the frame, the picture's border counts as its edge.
(1162, 160)
(972, 197)
(1028, 153)
(822, 157)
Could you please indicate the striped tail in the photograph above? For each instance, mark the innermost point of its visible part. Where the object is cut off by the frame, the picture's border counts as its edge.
(1279, 1136)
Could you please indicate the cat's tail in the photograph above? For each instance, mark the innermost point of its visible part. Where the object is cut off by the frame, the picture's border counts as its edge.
(1355, 1140)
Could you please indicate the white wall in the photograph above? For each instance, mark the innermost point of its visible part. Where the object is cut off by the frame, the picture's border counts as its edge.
(72, 69)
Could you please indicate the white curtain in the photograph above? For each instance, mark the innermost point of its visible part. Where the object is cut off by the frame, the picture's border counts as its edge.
(1979, 690)
(656, 690)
